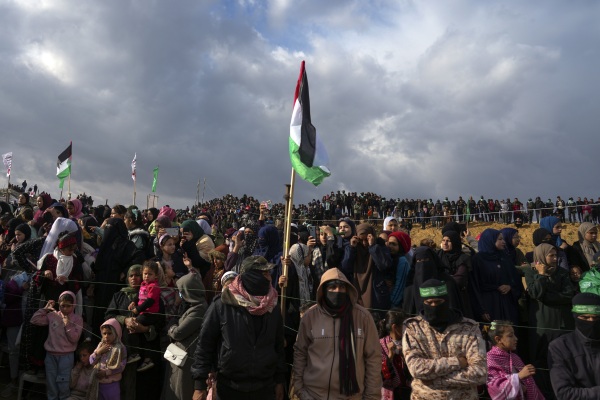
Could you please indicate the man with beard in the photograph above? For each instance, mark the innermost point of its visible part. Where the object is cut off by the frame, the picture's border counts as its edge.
(242, 339)
(337, 354)
(444, 351)
(574, 358)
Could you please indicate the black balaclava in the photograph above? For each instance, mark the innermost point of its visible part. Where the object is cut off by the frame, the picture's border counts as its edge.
(438, 317)
(587, 303)
(336, 300)
(255, 283)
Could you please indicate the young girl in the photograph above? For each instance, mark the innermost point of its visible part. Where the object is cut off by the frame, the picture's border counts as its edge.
(146, 307)
(396, 378)
(109, 360)
(64, 331)
(81, 375)
(508, 378)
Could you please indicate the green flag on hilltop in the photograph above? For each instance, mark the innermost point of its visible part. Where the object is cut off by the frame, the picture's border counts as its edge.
(155, 180)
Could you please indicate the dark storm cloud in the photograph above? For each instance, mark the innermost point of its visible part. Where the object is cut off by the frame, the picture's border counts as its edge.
(416, 100)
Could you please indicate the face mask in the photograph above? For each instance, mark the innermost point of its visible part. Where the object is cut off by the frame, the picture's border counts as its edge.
(335, 300)
(437, 316)
(255, 283)
(589, 329)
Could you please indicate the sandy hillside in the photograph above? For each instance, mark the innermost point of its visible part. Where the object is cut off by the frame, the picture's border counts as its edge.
(569, 233)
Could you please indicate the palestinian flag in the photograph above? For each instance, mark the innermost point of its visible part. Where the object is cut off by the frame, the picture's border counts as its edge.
(307, 154)
(63, 166)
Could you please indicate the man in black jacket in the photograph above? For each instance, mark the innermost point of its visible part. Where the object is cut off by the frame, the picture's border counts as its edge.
(242, 339)
(574, 358)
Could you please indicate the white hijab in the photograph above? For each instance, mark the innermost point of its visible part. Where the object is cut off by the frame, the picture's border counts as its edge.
(205, 226)
(59, 226)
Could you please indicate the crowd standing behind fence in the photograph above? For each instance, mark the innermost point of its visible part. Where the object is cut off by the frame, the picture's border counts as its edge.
(486, 280)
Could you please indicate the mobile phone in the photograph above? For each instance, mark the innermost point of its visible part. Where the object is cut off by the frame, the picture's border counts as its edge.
(312, 231)
(172, 231)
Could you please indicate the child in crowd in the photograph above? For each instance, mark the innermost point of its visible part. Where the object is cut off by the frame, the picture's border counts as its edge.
(508, 377)
(394, 372)
(146, 307)
(109, 360)
(81, 375)
(64, 331)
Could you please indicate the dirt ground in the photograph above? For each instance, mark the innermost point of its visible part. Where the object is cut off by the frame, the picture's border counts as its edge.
(569, 233)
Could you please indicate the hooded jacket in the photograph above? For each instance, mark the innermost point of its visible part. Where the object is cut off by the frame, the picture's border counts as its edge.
(316, 356)
(115, 359)
(62, 339)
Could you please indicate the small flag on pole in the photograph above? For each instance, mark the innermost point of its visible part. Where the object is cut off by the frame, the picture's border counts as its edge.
(133, 166)
(63, 166)
(155, 180)
(7, 159)
(307, 154)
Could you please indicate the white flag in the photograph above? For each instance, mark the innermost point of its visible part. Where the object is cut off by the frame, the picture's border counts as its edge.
(133, 167)
(7, 159)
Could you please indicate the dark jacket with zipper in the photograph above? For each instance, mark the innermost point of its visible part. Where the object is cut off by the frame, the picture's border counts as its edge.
(245, 360)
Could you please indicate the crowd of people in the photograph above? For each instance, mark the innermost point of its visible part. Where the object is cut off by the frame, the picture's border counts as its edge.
(121, 302)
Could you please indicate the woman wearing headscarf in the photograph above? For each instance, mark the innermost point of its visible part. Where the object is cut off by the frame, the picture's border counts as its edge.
(496, 285)
(151, 215)
(554, 226)
(178, 379)
(116, 254)
(191, 234)
(245, 242)
(23, 204)
(74, 208)
(135, 385)
(427, 265)
(582, 252)
(399, 244)
(542, 235)
(268, 245)
(551, 293)
(457, 263)
(43, 202)
(372, 268)
(513, 239)
(138, 233)
(204, 243)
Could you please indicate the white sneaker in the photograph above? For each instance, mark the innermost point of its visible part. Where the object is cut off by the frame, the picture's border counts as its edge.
(133, 358)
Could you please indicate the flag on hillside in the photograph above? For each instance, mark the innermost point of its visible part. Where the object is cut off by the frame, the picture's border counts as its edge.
(7, 159)
(307, 154)
(63, 166)
(133, 166)
(155, 180)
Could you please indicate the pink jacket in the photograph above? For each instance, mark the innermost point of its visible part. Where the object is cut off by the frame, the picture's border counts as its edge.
(62, 339)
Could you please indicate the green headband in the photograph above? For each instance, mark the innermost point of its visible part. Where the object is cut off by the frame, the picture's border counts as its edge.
(434, 291)
(586, 309)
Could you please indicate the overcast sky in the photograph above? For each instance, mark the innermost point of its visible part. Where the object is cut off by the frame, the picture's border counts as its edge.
(410, 98)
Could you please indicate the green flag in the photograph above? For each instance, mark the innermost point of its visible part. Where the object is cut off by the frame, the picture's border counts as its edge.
(155, 180)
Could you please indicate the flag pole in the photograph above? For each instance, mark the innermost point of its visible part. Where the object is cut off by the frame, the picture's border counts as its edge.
(134, 191)
(203, 189)
(69, 187)
(8, 190)
(289, 206)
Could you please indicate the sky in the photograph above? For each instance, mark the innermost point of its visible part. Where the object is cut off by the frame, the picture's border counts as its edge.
(417, 99)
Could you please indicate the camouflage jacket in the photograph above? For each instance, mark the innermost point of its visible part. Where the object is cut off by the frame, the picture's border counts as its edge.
(432, 360)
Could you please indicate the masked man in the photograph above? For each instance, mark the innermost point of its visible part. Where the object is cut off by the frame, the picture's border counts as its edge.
(337, 354)
(444, 352)
(574, 358)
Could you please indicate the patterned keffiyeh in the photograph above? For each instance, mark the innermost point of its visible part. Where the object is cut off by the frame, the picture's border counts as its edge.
(236, 294)
(503, 381)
